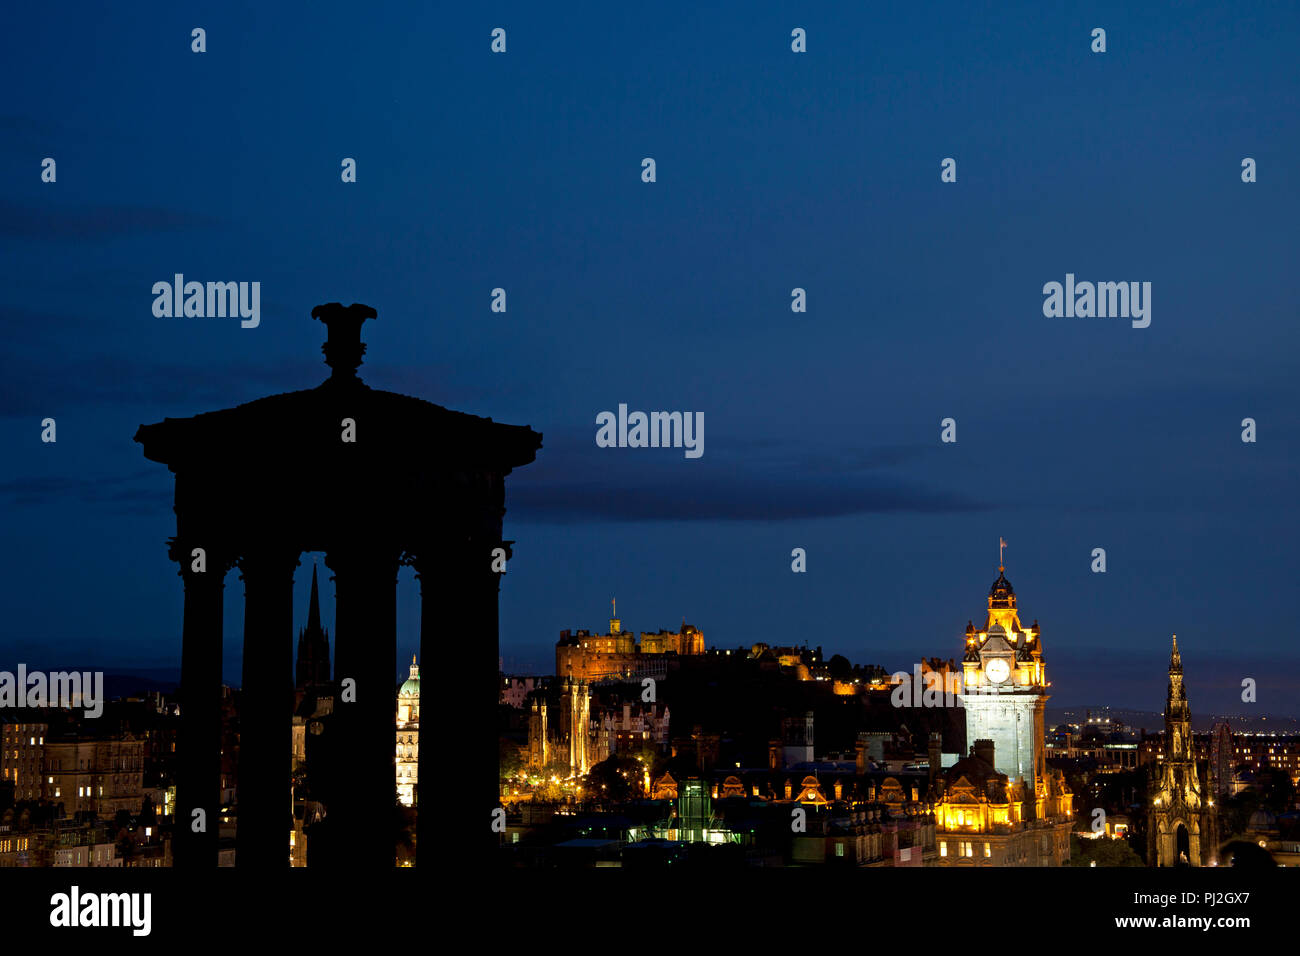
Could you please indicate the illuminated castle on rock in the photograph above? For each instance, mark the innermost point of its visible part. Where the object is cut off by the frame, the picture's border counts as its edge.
(581, 655)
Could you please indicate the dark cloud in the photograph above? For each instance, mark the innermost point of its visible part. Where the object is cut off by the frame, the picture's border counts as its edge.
(736, 480)
(744, 498)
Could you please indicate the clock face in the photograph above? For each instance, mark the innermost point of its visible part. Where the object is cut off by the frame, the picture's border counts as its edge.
(997, 670)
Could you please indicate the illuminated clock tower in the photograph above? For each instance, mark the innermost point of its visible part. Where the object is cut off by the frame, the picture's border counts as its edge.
(1004, 687)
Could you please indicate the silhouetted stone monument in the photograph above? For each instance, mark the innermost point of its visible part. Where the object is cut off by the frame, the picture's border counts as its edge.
(260, 483)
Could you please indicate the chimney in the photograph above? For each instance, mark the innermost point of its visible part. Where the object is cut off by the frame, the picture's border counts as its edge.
(936, 754)
(984, 750)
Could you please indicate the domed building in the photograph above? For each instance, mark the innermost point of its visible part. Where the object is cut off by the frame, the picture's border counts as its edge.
(408, 736)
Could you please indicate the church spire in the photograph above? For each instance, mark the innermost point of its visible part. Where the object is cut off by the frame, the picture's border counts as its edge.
(313, 665)
(313, 609)
(1175, 660)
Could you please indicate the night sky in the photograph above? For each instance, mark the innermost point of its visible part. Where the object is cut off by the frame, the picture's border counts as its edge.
(775, 170)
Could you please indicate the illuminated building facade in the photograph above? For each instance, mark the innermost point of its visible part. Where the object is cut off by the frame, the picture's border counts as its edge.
(1001, 805)
(629, 728)
(1258, 752)
(584, 656)
(408, 736)
(21, 760)
(515, 690)
(101, 776)
(1005, 685)
(84, 772)
(986, 819)
(560, 728)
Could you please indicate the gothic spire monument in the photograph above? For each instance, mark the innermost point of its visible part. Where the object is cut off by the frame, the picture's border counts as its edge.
(1182, 821)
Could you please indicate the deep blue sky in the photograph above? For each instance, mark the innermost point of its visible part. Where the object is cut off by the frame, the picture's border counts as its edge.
(775, 170)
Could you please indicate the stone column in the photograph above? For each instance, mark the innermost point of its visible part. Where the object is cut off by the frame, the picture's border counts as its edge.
(265, 798)
(198, 769)
(459, 620)
(362, 808)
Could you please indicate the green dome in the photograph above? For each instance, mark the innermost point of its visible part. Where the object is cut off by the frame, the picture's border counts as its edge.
(411, 686)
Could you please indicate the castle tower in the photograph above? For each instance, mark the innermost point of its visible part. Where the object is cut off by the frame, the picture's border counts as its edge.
(1182, 824)
(313, 644)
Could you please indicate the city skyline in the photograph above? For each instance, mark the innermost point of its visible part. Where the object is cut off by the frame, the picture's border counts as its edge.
(1094, 681)
(840, 439)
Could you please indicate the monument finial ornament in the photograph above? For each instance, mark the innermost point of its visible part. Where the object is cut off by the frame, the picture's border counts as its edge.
(343, 347)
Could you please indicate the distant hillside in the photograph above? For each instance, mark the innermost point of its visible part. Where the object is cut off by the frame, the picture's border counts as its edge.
(162, 680)
(1154, 721)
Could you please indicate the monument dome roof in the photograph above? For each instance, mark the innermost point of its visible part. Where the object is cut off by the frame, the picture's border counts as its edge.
(411, 686)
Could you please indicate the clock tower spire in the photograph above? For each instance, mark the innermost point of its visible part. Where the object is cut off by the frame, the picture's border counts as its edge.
(1005, 687)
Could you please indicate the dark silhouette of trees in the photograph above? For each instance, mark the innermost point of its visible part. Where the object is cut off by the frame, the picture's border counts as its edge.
(614, 778)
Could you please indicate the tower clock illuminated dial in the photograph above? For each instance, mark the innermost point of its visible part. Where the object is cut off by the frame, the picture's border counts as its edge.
(997, 670)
